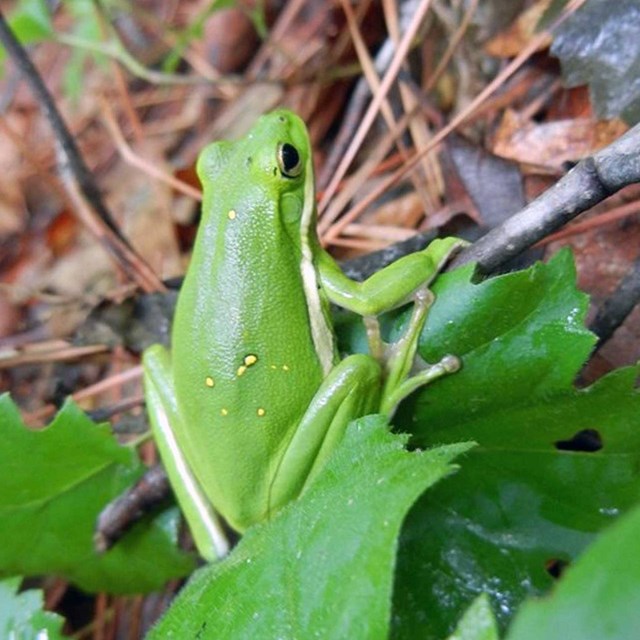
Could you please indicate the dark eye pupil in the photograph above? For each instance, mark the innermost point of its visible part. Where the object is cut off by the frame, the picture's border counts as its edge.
(290, 157)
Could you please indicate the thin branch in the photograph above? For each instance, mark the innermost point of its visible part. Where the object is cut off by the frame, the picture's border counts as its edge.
(588, 183)
(110, 234)
(113, 49)
(64, 354)
(618, 306)
(135, 160)
(121, 514)
(72, 154)
(609, 217)
(112, 381)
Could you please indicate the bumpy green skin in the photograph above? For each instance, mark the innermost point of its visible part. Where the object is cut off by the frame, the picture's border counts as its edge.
(253, 398)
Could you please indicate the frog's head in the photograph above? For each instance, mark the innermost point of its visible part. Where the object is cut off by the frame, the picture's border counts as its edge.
(282, 160)
(273, 161)
(280, 149)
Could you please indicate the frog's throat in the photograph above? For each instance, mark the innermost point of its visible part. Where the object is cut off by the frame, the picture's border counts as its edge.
(320, 331)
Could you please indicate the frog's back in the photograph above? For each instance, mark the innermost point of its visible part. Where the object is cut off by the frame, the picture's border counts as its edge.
(252, 364)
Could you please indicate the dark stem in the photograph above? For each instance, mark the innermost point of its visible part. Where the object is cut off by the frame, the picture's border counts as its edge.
(123, 512)
(76, 164)
(618, 306)
(588, 183)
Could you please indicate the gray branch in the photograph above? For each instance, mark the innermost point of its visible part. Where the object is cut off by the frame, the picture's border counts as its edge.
(588, 183)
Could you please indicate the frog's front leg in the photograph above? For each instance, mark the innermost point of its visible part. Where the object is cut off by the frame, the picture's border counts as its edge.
(166, 423)
(350, 390)
(403, 281)
(400, 358)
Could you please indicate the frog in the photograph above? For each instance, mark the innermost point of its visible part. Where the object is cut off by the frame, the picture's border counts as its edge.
(253, 396)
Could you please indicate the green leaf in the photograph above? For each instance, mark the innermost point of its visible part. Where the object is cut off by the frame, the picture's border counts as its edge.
(323, 568)
(598, 598)
(22, 616)
(478, 622)
(522, 501)
(30, 22)
(53, 484)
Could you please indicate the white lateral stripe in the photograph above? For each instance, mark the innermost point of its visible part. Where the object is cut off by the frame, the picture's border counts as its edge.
(320, 332)
(207, 516)
(322, 337)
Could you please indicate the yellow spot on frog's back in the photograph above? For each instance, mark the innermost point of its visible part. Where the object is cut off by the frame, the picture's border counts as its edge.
(285, 367)
(232, 214)
(249, 360)
(224, 412)
(261, 412)
(209, 381)
(273, 366)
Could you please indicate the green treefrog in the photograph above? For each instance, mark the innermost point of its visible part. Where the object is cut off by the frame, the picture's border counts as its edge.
(253, 397)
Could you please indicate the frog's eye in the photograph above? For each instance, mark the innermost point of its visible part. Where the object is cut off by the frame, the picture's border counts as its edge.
(289, 160)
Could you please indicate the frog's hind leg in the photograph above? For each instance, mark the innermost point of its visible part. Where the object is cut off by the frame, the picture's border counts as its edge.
(351, 390)
(162, 408)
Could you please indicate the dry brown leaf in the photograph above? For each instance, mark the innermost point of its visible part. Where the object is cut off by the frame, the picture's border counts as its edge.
(399, 212)
(551, 144)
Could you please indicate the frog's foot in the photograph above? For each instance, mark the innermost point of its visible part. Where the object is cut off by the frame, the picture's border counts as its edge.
(399, 381)
(448, 364)
(399, 356)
